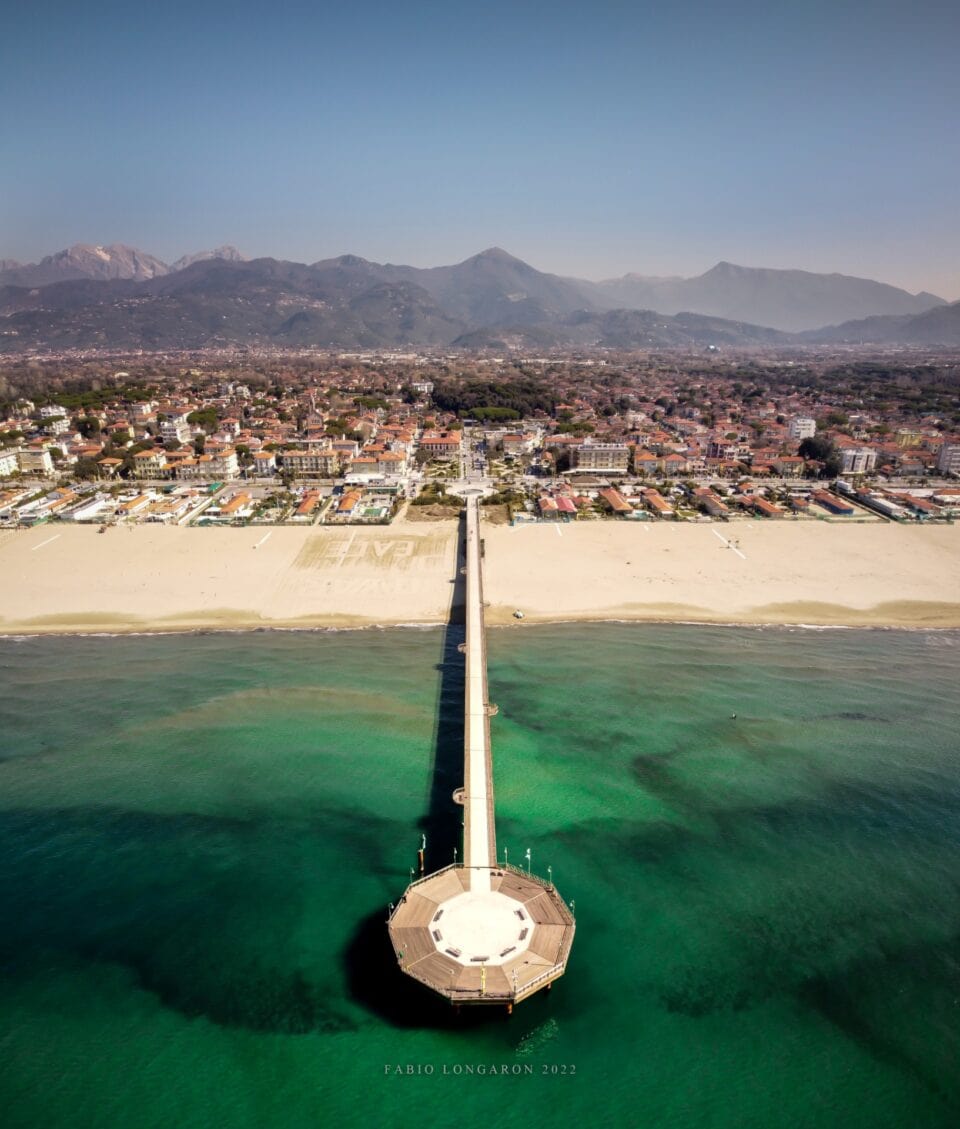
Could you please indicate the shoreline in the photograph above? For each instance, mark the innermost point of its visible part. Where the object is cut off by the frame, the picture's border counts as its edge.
(499, 620)
(142, 632)
(67, 580)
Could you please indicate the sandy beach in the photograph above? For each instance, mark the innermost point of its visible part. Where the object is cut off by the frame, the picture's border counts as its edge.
(62, 578)
(790, 572)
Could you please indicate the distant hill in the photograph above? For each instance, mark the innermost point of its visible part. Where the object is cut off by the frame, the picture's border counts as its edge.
(939, 326)
(230, 254)
(792, 300)
(625, 329)
(494, 288)
(128, 300)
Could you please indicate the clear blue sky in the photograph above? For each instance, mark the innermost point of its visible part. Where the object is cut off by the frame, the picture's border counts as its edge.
(588, 138)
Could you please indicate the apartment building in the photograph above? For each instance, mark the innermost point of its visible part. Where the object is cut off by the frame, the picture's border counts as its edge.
(605, 458)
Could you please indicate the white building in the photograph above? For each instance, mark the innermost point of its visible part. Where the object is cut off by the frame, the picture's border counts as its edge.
(36, 461)
(150, 463)
(948, 461)
(609, 458)
(802, 427)
(857, 460)
(175, 430)
(9, 463)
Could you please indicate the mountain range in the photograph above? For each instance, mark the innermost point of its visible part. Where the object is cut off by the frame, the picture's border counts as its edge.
(88, 260)
(119, 297)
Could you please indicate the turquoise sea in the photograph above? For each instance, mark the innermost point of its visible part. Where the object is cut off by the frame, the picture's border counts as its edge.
(200, 836)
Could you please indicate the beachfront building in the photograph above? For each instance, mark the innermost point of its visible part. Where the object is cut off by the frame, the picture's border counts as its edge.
(391, 462)
(209, 467)
(549, 511)
(762, 507)
(788, 466)
(616, 502)
(948, 461)
(9, 464)
(857, 460)
(656, 502)
(711, 502)
(311, 501)
(150, 464)
(225, 463)
(323, 462)
(264, 464)
(362, 468)
(832, 503)
(347, 504)
(169, 509)
(134, 505)
(87, 509)
(35, 460)
(605, 458)
(109, 466)
(921, 507)
(238, 505)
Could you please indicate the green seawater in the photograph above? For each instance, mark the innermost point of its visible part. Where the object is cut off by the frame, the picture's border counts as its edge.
(200, 837)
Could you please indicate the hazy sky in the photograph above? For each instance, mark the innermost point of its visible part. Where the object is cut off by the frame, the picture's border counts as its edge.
(588, 138)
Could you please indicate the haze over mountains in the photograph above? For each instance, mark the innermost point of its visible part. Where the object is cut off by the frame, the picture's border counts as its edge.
(119, 297)
(792, 300)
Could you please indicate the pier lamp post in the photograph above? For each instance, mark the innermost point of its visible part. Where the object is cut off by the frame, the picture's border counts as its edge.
(506, 859)
(550, 875)
(527, 857)
(454, 856)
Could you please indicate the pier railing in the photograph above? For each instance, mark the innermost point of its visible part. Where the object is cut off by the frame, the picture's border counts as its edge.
(495, 871)
(519, 992)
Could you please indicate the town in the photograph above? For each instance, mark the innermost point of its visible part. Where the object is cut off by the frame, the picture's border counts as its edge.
(356, 438)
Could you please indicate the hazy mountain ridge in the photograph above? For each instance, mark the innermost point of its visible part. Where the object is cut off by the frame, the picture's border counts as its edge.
(791, 300)
(937, 326)
(219, 298)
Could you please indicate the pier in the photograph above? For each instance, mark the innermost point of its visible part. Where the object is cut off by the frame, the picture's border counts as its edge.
(478, 931)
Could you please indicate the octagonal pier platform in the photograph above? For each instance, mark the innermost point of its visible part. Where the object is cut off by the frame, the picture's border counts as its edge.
(479, 932)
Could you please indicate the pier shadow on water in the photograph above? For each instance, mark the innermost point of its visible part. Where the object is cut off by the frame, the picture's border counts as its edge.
(374, 979)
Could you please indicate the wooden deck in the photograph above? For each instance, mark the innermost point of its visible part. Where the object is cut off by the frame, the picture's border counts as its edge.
(427, 951)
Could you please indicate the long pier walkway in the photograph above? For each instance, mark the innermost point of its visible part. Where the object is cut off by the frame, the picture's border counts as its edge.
(479, 932)
(479, 839)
